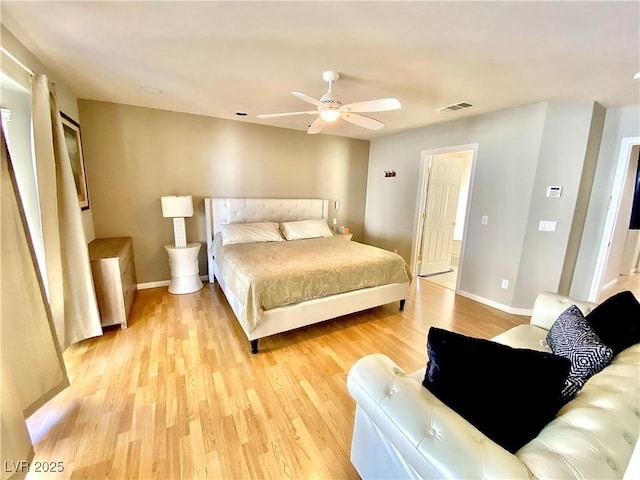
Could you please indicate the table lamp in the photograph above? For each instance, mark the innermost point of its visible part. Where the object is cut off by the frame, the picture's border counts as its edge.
(178, 207)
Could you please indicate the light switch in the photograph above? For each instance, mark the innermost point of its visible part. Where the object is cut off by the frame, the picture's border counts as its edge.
(547, 226)
(485, 219)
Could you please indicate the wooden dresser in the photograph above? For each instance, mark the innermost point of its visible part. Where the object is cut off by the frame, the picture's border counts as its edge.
(114, 277)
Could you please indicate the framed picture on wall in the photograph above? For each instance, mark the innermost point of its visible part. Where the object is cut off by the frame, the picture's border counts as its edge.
(74, 147)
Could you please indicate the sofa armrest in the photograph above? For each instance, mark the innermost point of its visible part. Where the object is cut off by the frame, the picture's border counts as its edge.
(424, 431)
(548, 306)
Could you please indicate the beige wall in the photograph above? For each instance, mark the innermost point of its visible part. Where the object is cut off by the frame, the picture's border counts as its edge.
(521, 152)
(134, 155)
(509, 143)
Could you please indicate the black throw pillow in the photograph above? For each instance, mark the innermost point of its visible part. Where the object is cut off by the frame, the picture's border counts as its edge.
(509, 394)
(617, 321)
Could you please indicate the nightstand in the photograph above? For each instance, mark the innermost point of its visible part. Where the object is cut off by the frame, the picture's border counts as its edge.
(185, 274)
(114, 278)
(346, 236)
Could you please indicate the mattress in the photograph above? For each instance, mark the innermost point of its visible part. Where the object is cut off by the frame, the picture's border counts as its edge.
(266, 275)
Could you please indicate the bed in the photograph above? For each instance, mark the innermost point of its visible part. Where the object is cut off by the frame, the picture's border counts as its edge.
(246, 270)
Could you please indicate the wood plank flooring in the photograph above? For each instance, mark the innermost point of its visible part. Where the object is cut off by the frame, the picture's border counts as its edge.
(623, 282)
(179, 395)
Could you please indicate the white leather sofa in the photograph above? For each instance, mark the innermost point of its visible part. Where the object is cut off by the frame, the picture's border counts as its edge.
(403, 431)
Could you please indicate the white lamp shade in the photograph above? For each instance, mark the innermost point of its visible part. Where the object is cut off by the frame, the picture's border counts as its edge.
(330, 114)
(177, 206)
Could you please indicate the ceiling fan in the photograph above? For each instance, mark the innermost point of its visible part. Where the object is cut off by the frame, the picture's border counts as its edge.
(330, 108)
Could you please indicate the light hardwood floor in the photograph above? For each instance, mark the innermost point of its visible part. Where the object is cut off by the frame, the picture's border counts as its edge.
(624, 282)
(178, 394)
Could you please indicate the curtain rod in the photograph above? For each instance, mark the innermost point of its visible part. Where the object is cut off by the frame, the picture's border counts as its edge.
(18, 62)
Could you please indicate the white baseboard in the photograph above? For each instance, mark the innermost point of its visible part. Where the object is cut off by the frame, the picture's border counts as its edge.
(609, 284)
(491, 303)
(161, 283)
(164, 283)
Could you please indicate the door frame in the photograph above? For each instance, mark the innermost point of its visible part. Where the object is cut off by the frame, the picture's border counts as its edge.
(432, 222)
(622, 165)
(421, 200)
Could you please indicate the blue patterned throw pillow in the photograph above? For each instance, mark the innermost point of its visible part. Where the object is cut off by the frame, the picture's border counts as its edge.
(572, 337)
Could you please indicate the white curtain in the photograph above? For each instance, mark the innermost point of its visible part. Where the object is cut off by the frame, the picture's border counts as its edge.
(70, 285)
(31, 361)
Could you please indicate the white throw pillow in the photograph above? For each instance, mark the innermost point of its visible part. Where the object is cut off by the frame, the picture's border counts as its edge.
(233, 233)
(305, 229)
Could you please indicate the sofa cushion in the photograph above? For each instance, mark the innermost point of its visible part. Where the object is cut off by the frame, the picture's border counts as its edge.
(509, 394)
(572, 337)
(525, 336)
(549, 305)
(617, 321)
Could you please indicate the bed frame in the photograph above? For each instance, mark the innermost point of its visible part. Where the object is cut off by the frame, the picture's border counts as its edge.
(282, 319)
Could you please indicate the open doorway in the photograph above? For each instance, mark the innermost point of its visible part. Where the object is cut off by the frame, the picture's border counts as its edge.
(446, 176)
(618, 252)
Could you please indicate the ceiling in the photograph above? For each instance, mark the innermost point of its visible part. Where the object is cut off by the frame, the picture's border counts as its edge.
(219, 58)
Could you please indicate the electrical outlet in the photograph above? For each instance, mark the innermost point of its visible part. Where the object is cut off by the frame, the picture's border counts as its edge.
(505, 283)
(335, 221)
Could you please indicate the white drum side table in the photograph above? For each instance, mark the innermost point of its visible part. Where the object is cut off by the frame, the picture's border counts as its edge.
(185, 274)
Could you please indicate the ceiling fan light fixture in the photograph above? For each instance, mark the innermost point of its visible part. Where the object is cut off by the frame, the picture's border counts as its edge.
(330, 109)
(330, 115)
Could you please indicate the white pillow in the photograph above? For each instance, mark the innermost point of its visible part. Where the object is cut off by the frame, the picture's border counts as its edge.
(250, 232)
(305, 229)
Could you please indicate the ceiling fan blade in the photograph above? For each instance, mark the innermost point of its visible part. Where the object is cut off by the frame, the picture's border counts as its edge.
(309, 99)
(286, 114)
(380, 105)
(362, 121)
(316, 126)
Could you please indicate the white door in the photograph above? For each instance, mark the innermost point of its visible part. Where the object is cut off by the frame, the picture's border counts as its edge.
(440, 214)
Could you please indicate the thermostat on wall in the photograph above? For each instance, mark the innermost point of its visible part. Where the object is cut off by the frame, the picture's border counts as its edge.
(554, 191)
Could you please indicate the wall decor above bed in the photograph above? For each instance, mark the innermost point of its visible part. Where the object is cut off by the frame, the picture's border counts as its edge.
(274, 285)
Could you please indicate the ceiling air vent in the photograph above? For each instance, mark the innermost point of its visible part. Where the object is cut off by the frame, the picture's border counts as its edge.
(454, 107)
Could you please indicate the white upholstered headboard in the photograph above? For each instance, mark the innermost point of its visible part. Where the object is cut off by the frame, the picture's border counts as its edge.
(241, 210)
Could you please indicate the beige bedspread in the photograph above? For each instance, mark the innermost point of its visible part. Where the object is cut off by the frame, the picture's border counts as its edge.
(272, 274)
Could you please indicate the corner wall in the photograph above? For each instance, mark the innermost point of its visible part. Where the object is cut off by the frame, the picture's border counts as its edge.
(562, 162)
(619, 123)
(521, 152)
(509, 143)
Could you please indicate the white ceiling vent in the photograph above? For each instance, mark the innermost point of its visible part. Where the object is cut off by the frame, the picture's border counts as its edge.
(454, 107)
